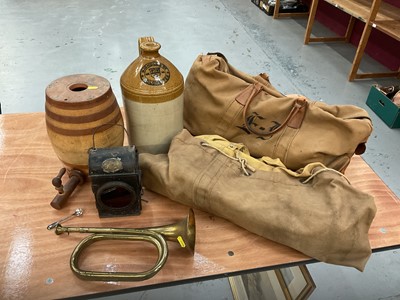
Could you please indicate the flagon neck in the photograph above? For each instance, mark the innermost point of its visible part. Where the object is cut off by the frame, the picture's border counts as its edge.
(150, 49)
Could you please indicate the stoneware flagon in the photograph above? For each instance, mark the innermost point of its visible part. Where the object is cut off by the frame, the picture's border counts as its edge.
(80, 112)
(152, 90)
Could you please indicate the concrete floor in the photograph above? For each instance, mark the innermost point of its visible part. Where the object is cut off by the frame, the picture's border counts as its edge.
(41, 41)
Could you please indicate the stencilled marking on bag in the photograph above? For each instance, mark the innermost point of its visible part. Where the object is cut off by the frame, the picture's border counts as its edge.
(154, 73)
(252, 121)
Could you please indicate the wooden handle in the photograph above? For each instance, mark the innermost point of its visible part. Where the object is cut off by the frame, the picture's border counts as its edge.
(76, 177)
(57, 181)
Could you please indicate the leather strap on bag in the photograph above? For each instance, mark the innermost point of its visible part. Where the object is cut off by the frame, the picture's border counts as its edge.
(293, 120)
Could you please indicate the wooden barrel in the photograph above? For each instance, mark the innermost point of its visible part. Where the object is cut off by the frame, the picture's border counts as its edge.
(81, 110)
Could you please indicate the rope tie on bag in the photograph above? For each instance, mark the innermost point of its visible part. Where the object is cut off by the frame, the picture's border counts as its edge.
(244, 166)
(243, 163)
(323, 170)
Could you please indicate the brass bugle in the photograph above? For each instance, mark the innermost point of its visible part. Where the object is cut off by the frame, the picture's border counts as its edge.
(183, 232)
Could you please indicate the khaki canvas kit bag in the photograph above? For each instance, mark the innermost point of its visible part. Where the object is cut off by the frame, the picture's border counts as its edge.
(219, 99)
(314, 210)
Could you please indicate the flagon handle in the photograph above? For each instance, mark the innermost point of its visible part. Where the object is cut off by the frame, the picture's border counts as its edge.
(294, 119)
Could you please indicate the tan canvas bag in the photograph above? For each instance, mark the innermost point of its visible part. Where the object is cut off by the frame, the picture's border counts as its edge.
(218, 99)
(314, 210)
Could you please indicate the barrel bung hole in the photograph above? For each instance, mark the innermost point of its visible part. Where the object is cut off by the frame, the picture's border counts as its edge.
(78, 87)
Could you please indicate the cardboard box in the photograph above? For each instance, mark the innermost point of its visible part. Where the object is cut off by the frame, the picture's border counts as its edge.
(384, 108)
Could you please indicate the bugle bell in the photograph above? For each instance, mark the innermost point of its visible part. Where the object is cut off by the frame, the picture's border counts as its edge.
(183, 232)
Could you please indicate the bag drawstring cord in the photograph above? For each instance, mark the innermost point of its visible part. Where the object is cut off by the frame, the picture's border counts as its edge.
(323, 170)
(244, 166)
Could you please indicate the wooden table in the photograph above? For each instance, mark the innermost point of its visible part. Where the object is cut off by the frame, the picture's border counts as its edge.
(278, 14)
(375, 14)
(35, 262)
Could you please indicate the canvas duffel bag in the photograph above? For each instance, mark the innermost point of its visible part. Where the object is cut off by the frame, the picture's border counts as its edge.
(314, 210)
(219, 99)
